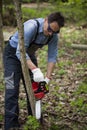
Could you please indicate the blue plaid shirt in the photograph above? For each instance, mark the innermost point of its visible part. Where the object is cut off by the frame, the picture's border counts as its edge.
(30, 30)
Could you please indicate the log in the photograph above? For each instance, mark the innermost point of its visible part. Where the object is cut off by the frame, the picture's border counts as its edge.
(79, 46)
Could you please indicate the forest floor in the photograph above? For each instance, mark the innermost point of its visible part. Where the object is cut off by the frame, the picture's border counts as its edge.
(65, 106)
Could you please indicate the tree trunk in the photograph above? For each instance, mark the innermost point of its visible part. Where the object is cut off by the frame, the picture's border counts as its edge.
(22, 52)
(1, 41)
(1, 7)
(38, 4)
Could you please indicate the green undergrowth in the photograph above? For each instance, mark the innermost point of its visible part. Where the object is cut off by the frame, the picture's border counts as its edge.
(29, 13)
(32, 124)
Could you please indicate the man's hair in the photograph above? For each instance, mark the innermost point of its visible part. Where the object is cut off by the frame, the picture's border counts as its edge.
(56, 17)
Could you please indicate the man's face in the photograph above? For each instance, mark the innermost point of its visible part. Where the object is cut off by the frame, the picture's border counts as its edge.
(50, 28)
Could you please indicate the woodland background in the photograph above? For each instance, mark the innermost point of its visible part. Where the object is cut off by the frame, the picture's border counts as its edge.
(65, 107)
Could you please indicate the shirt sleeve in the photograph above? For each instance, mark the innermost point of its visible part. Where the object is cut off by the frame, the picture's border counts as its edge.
(30, 30)
(53, 49)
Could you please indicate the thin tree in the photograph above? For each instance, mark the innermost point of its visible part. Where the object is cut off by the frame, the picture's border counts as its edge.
(1, 40)
(17, 4)
(1, 7)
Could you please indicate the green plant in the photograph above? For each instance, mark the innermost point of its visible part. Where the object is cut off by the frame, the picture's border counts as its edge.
(61, 72)
(61, 52)
(1, 87)
(82, 89)
(1, 118)
(22, 103)
(79, 103)
(31, 123)
(77, 53)
(61, 64)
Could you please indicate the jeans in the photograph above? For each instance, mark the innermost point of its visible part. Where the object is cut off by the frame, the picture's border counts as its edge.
(12, 75)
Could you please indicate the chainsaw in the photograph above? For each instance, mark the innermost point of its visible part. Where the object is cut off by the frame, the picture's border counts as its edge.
(40, 89)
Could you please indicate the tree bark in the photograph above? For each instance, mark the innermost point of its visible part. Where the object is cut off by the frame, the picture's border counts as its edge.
(27, 79)
(1, 41)
(79, 46)
(1, 8)
(38, 4)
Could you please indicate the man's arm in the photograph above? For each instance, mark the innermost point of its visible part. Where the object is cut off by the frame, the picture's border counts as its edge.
(52, 56)
(31, 65)
(50, 68)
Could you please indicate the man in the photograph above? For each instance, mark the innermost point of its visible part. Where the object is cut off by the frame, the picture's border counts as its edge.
(37, 33)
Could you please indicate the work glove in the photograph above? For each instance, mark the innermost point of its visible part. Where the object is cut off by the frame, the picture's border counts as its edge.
(47, 80)
(37, 75)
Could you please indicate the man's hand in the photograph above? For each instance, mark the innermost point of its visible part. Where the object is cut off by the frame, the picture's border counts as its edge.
(47, 80)
(37, 75)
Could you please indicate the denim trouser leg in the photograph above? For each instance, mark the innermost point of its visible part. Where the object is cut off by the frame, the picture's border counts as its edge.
(11, 102)
(12, 73)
